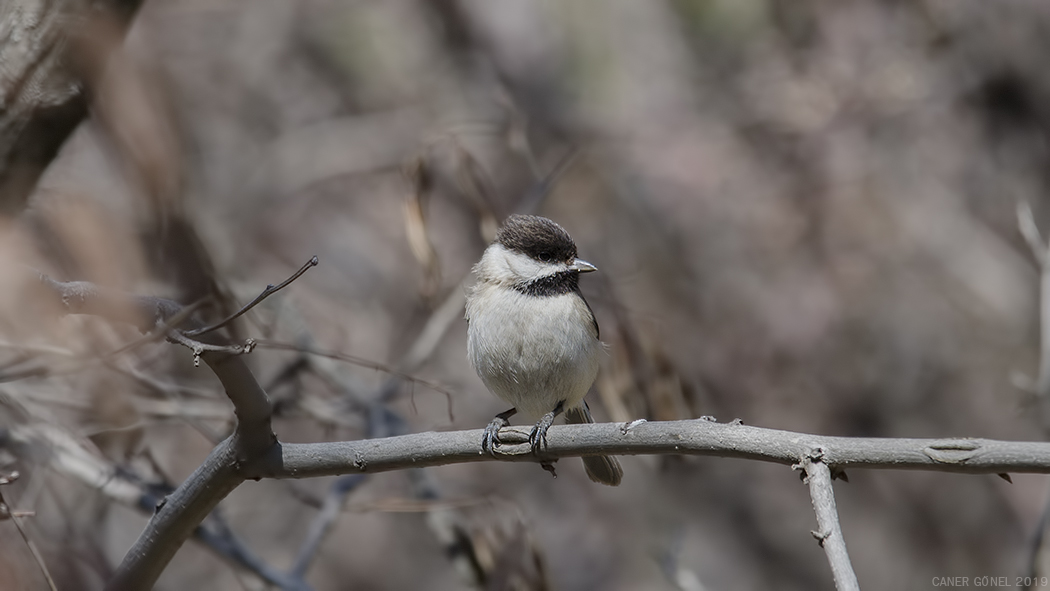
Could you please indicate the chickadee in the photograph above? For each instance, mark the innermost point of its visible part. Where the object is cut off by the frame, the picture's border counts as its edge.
(531, 336)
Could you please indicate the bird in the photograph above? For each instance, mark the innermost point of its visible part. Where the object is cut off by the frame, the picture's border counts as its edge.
(532, 337)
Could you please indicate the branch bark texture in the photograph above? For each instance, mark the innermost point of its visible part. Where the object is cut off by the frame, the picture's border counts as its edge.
(829, 532)
(693, 437)
(176, 518)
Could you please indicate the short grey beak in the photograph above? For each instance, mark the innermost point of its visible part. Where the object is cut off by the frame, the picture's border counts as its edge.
(582, 266)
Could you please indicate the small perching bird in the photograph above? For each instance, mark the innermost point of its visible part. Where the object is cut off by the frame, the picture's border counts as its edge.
(531, 336)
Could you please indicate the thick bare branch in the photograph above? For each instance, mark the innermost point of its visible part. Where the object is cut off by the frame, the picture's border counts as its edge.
(183, 510)
(177, 517)
(693, 437)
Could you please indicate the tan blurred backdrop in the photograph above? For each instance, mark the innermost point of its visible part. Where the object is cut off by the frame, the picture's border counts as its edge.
(803, 214)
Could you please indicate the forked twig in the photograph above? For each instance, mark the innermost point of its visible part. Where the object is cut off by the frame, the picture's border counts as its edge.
(359, 361)
(162, 329)
(269, 291)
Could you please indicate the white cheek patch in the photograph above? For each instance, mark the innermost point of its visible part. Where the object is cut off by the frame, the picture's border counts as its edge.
(500, 265)
(525, 268)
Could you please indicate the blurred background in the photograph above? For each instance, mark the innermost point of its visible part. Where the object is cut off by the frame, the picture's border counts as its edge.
(803, 213)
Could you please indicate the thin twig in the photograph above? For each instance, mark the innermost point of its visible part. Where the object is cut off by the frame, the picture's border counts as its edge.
(38, 349)
(199, 348)
(269, 291)
(25, 537)
(164, 326)
(359, 361)
(534, 197)
(829, 533)
(173, 393)
(162, 329)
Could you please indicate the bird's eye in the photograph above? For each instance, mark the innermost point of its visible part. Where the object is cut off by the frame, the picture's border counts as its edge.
(546, 257)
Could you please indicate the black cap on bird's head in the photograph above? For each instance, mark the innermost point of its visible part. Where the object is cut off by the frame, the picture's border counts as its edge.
(538, 238)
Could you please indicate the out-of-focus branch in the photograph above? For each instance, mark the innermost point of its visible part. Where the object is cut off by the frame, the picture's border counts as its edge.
(539, 191)
(182, 511)
(68, 457)
(42, 99)
(250, 402)
(382, 422)
(322, 525)
(829, 533)
(692, 437)
(1041, 252)
(306, 348)
(81, 297)
(1041, 386)
(220, 538)
(176, 517)
(42, 69)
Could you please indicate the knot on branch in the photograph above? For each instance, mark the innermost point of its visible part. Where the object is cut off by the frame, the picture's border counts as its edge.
(817, 455)
(821, 536)
(813, 455)
(955, 451)
(626, 428)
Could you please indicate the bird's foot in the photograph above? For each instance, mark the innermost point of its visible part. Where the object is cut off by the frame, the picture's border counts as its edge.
(490, 438)
(538, 436)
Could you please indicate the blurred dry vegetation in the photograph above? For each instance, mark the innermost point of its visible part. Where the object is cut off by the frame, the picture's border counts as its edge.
(803, 213)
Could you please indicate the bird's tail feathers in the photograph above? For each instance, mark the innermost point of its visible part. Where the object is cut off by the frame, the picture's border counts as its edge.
(601, 469)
